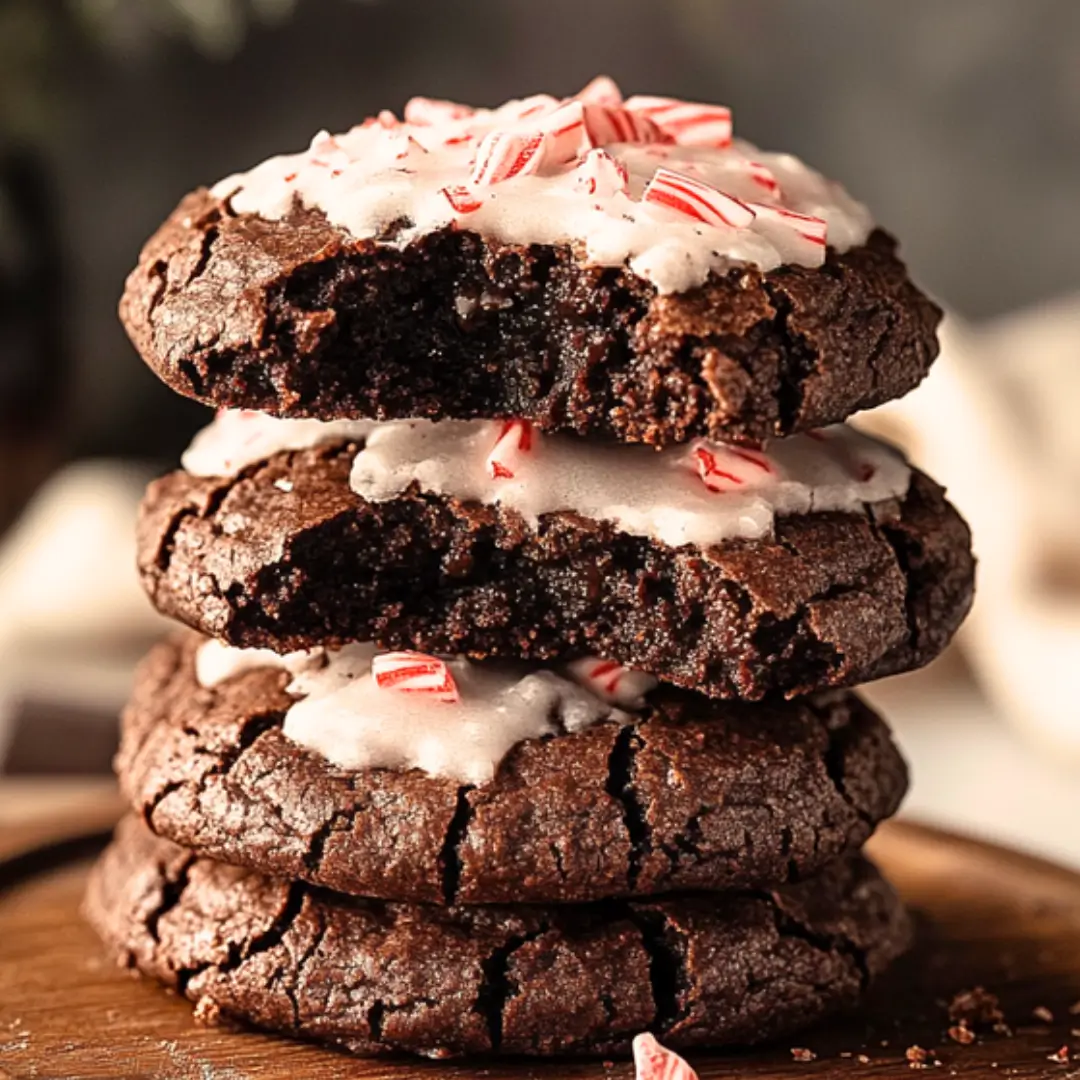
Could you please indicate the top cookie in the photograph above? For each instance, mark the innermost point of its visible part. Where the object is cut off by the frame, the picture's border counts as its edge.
(615, 267)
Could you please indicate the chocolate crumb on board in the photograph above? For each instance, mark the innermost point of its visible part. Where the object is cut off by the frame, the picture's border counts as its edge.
(962, 1034)
(800, 1053)
(978, 1007)
(919, 1058)
(1074, 1009)
(1041, 1012)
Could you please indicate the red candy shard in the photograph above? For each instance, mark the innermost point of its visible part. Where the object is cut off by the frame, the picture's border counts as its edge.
(812, 229)
(762, 175)
(615, 124)
(611, 681)
(694, 199)
(655, 1062)
(528, 108)
(414, 673)
(601, 91)
(601, 174)
(726, 468)
(422, 110)
(503, 155)
(566, 134)
(462, 199)
(688, 123)
(514, 444)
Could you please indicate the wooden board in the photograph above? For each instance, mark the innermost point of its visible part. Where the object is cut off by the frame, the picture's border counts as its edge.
(987, 916)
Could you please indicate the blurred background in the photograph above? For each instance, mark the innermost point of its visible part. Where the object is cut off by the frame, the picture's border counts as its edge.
(958, 121)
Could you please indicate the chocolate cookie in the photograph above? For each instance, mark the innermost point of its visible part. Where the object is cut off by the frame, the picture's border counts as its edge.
(693, 794)
(288, 556)
(372, 977)
(297, 318)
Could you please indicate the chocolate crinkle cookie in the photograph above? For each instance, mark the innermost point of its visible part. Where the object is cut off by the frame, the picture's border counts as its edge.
(287, 555)
(582, 264)
(765, 794)
(374, 977)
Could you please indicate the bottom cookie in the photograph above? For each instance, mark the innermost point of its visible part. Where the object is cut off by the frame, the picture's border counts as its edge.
(375, 977)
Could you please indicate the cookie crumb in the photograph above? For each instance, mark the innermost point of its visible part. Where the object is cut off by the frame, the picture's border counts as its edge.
(1074, 1009)
(845, 1053)
(862, 1059)
(1041, 1012)
(976, 1006)
(962, 1034)
(800, 1053)
(918, 1058)
(1060, 1056)
(1001, 1028)
(207, 1012)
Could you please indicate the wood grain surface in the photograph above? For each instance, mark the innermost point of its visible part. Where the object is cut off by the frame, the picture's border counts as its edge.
(987, 916)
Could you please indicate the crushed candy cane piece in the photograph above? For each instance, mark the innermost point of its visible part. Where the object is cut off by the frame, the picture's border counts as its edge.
(514, 444)
(422, 110)
(567, 137)
(528, 108)
(601, 174)
(763, 176)
(725, 468)
(601, 91)
(812, 229)
(464, 200)
(697, 200)
(655, 1062)
(689, 123)
(503, 155)
(414, 673)
(611, 681)
(607, 124)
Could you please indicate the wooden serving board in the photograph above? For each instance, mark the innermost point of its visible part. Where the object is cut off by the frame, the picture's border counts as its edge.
(987, 917)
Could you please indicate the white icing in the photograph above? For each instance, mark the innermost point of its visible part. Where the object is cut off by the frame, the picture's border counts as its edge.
(385, 172)
(241, 437)
(342, 714)
(642, 491)
(215, 661)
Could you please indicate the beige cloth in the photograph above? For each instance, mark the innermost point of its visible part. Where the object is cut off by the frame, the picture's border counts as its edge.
(998, 422)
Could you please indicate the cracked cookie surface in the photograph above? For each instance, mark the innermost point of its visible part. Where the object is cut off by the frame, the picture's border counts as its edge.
(297, 318)
(695, 794)
(287, 556)
(374, 977)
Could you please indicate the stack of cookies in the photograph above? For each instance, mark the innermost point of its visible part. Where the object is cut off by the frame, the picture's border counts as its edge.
(526, 565)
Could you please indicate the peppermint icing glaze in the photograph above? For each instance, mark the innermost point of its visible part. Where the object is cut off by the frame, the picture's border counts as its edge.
(645, 492)
(342, 714)
(420, 172)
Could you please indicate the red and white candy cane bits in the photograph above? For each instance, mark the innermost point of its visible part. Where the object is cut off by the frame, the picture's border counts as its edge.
(600, 174)
(415, 673)
(462, 199)
(503, 155)
(727, 468)
(689, 123)
(601, 91)
(512, 448)
(608, 679)
(696, 200)
(422, 110)
(812, 229)
(655, 1062)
